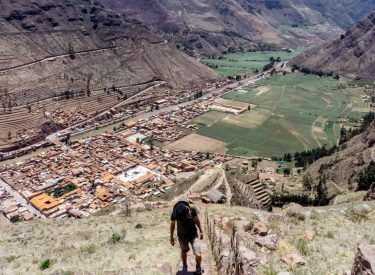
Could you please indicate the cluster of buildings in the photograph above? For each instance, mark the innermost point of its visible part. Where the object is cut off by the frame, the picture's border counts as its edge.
(12, 209)
(95, 173)
(63, 118)
(225, 108)
(162, 127)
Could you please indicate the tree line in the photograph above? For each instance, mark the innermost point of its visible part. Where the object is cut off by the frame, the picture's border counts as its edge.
(314, 72)
(345, 134)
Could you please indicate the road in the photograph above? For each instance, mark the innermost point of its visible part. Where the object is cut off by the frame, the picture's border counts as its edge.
(20, 199)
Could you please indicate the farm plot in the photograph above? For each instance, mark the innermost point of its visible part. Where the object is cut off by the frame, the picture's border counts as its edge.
(295, 112)
(240, 63)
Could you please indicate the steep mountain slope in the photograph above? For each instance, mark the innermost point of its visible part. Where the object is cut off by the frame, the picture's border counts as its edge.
(344, 13)
(351, 54)
(205, 27)
(51, 49)
(343, 167)
(80, 38)
(89, 245)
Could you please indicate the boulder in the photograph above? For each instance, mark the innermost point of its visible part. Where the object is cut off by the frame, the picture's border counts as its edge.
(364, 263)
(165, 268)
(361, 209)
(294, 259)
(309, 235)
(260, 228)
(370, 196)
(148, 206)
(269, 241)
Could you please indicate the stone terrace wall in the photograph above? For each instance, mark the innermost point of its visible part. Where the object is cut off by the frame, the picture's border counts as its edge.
(231, 255)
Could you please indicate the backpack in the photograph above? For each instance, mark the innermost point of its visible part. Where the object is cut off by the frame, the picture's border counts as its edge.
(181, 211)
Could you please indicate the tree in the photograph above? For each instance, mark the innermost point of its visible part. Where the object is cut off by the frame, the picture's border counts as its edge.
(321, 197)
(151, 142)
(307, 182)
(367, 177)
(71, 52)
(286, 171)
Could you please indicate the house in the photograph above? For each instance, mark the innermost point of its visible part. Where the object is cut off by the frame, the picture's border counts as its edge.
(44, 202)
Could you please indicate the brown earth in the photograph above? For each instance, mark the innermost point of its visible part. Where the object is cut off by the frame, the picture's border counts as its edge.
(50, 47)
(207, 27)
(351, 54)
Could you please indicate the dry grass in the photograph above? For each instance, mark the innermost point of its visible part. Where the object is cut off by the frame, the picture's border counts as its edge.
(139, 244)
(95, 245)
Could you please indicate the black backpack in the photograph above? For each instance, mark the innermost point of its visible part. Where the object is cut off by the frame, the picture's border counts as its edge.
(181, 210)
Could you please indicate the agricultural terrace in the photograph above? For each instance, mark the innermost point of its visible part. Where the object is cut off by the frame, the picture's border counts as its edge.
(241, 63)
(294, 112)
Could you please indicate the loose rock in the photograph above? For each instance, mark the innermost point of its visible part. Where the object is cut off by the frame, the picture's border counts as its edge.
(364, 262)
(260, 228)
(309, 235)
(269, 241)
(294, 259)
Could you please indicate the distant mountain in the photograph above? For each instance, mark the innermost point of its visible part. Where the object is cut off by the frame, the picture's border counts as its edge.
(206, 27)
(351, 54)
(60, 60)
(46, 44)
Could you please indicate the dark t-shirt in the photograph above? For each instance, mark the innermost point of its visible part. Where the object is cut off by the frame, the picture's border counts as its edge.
(186, 229)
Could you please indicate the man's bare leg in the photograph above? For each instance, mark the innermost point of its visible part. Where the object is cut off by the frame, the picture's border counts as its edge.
(184, 258)
(198, 259)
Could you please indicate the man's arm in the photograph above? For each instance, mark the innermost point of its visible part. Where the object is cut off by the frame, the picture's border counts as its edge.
(172, 227)
(198, 223)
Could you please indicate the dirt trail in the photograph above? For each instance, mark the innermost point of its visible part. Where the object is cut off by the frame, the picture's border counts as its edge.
(207, 259)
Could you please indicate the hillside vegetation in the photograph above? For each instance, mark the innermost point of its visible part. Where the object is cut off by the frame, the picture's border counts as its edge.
(139, 244)
(350, 54)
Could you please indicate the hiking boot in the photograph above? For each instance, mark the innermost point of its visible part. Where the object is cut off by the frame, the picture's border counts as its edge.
(199, 271)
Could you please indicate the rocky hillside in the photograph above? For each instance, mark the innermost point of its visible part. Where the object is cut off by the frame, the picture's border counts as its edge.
(351, 54)
(50, 46)
(296, 240)
(206, 27)
(343, 167)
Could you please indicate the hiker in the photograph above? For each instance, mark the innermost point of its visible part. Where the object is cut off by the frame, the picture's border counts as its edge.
(187, 219)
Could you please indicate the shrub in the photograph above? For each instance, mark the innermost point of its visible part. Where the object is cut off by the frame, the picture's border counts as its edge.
(330, 235)
(45, 264)
(358, 216)
(115, 238)
(90, 249)
(249, 226)
(281, 199)
(297, 218)
(303, 247)
(139, 226)
(269, 270)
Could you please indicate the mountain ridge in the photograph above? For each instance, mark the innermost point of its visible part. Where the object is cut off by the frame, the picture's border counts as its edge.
(351, 54)
(212, 27)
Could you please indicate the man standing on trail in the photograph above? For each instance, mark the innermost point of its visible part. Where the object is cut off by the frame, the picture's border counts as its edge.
(187, 219)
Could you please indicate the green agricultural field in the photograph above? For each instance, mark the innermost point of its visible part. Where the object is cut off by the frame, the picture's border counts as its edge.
(237, 63)
(301, 29)
(295, 112)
